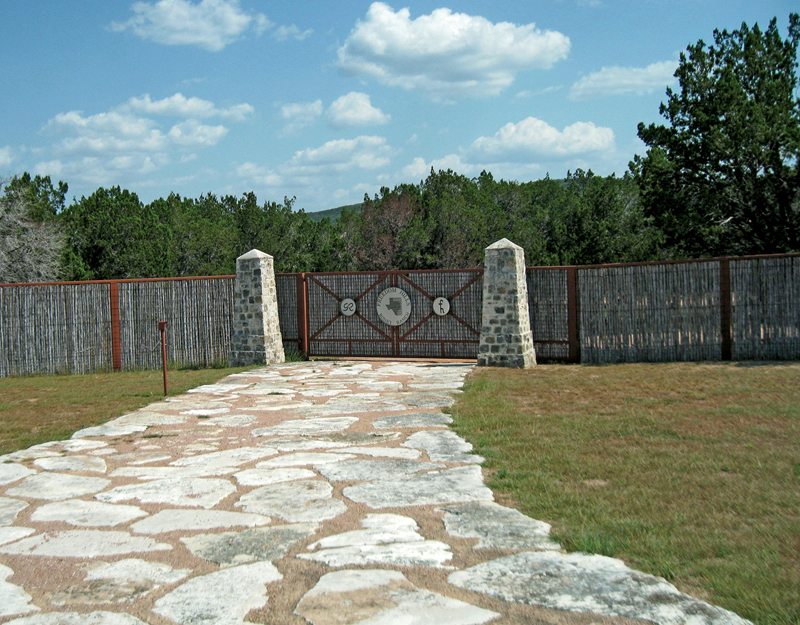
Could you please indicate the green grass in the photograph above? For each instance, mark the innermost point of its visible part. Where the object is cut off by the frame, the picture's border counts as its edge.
(43, 408)
(687, 471)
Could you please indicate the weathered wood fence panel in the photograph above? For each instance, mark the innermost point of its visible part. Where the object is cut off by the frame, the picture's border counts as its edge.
(63, 328)
(548, 308)
(198, 315)
(650, 312)
(765, 308)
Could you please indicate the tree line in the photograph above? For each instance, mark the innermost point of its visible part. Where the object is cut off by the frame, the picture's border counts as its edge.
(721, 177)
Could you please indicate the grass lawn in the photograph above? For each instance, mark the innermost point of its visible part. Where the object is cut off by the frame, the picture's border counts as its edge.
(687, 471)
(43, 408)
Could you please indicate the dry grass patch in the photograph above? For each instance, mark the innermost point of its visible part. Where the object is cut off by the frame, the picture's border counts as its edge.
(687, 471)
(37, 409)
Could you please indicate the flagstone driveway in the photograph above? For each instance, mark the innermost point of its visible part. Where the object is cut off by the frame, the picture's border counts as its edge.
(329, 493)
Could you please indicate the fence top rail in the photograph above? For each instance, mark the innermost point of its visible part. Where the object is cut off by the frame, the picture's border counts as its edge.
(680, 261)
(388, 272)
(116, 281)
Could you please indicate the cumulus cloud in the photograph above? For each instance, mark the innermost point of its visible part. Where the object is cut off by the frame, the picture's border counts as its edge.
(6, 156)
(300, 114)
(178, 105)
(624, 81)
(330, 160)
(209, 24)
(284, 33)
(355, 109)
(134, 138)
(533, 137)
(446, 54)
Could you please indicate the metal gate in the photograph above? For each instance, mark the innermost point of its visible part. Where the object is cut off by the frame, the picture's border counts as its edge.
(362, 314)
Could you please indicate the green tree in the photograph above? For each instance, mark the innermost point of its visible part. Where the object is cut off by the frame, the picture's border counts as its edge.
(722, 177)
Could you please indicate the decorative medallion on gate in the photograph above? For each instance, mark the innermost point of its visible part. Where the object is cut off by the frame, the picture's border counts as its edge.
(427, 314)
(393, 306)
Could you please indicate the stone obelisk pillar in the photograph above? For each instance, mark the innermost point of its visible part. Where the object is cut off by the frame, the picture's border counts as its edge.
(506, 338)
(256, 333)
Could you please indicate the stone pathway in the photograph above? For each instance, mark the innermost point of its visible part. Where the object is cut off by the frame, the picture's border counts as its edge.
(328, 493)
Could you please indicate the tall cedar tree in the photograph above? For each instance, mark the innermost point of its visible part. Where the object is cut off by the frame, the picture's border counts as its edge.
(722, 177)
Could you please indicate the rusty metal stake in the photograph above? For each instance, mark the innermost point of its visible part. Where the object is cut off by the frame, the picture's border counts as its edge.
(162, 328)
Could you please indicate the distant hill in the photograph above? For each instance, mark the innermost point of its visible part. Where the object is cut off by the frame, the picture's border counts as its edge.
(333, 213)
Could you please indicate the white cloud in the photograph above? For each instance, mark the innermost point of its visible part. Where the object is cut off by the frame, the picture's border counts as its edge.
(133, 139)
(6, 156)
(444, 53)
(191, 133)
(624, 81)
(300, 114)
(283, 33)
(355, 109)
(534, 137)
(178, 105)
(209, 24)
(341, 155)
(331, 160)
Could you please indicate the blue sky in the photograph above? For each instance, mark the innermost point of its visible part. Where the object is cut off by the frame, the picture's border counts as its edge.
(328, 100)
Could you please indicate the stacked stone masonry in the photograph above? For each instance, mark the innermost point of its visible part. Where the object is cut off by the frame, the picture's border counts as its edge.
(256, 334)
(506, 338)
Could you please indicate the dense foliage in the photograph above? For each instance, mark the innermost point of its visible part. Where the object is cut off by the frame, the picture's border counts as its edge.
(722, 178)
(444, 221)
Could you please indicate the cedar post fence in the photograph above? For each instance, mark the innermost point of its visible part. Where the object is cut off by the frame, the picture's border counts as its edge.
(745, 308)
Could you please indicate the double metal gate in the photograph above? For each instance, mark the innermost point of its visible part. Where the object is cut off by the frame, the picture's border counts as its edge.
(392, 313)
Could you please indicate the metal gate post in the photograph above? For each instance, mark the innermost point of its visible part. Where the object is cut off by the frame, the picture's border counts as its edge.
(302, 313)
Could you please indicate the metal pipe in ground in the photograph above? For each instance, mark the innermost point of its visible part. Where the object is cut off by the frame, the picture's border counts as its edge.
(162, 328)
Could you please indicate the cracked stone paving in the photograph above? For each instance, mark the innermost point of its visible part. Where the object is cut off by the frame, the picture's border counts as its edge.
(322, 493)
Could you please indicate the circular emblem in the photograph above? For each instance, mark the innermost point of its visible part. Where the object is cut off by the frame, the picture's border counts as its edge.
(441, 306)
(347, 307)
(393, 306)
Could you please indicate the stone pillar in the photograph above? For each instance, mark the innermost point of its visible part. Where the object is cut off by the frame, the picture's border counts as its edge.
(506, 339)
(256, 334)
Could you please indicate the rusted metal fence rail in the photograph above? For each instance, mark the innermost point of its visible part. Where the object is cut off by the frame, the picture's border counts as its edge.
(720, 309)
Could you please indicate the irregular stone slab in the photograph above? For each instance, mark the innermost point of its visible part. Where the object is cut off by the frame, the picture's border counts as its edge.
(182, 519)
(13, 599)
(262, 477)
(229, 421)
(220, 598)
(496, 526)
(589, 583)
(442, 445)
(141, 459)
(206, 412)
(191, 492)
(305, 444)
(124, 581)
(385, 452)
(221, 387)
(385, 539)
(307, 426)
(136, 570)
(83, 544)
(226, 458)
(11, 533)
(11, 472)
(302, 459)
(264, 543)
(89, 464)
(145, 417)
(381, 598)
(296, 501)
(161, 473)
(413, 420)
(55, 486)
(86, 513)
(9, 509)
(447, 486)
(427, 400)
(76, 618)
(373, 470)
(111, 430)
